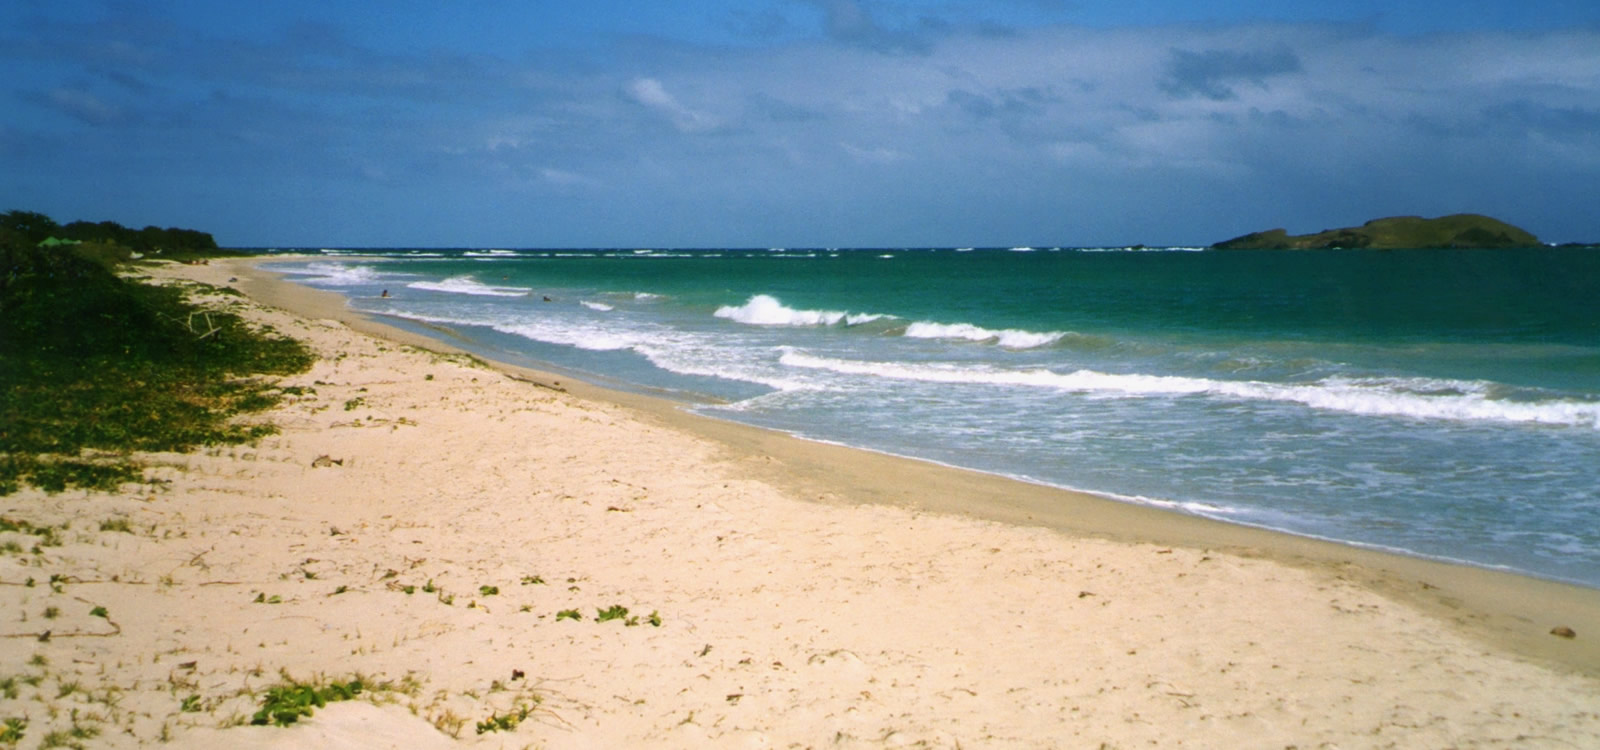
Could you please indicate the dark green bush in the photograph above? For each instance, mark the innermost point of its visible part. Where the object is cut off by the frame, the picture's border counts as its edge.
(93, 363)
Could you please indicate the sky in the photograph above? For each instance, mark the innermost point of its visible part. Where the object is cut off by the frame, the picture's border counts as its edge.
(797, 123)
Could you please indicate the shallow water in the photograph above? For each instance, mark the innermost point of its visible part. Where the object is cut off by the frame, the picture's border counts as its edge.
(1442, 403)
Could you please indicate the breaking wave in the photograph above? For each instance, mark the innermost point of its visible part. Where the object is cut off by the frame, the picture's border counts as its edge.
(335, 274)
(1009, 338)
(1415, 398)
(469, 285)
(766, 310)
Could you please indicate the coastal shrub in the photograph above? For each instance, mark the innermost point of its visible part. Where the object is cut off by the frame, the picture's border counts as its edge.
(97, 366)
(285, 704)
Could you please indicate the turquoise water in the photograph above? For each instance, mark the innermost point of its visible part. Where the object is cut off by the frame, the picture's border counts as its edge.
(1440, 403)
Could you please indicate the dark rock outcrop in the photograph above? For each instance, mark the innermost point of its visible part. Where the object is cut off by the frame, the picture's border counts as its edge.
(1395, 232)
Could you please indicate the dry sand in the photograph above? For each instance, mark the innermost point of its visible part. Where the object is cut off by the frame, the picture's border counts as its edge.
(807, 595)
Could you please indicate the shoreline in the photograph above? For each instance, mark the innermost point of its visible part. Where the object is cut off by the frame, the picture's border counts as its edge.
(557, 565)
(1507, 610)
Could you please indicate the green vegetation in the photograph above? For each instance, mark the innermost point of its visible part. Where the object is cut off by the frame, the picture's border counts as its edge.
(568, 614)
(1395, 232)
(178, 244)
(285, 704)
(11, 733)
(97, 366)
(506, 722)
(49, 536)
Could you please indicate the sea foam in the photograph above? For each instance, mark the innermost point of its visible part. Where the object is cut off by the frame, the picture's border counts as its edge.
(1009, 338)
(766, 310)
(469, 285)
(335, 274)
(1414, 398)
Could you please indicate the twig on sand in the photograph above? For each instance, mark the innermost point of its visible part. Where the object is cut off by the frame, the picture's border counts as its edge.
(556, 387)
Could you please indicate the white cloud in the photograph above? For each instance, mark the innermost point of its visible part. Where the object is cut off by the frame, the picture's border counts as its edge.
(1037, 129)
(873, 155)
(650, 93)
(563, 178)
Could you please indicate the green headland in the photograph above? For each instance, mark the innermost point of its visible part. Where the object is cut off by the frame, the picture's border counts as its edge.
(1393, 233)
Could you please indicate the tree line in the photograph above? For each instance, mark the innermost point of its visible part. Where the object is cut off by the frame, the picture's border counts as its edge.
(32, 227)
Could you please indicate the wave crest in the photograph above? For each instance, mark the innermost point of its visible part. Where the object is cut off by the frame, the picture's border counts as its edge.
(1413, 398)
(766, 310)
(469, 285)
(335, 274)
(1008, 338)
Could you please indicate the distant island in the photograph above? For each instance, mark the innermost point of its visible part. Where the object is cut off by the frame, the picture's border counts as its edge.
(1395, 232)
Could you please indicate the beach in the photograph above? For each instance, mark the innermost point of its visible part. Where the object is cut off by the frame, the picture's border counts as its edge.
(457, 528)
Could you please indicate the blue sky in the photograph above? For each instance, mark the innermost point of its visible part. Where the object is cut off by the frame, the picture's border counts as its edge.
(797, 122)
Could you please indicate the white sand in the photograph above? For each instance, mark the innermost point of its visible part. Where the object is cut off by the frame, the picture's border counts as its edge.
(784, 622)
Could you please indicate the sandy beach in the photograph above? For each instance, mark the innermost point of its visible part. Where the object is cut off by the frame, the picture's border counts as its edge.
(433, 522)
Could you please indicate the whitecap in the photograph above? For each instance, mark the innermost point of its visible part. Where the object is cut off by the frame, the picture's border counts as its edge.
(766, 310)
(469, 285)
(598, 306)
(1008, 338)
(335, 274)
(1409, 398)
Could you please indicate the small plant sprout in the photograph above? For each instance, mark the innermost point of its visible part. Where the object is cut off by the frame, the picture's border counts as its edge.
(488, 590)
(508, 721)
(11, 732)
(99, 612)
(532, 580)
(614, 612)
(568, 614)
(285, 704)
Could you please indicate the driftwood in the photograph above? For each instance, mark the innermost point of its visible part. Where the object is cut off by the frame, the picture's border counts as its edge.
(531, 381)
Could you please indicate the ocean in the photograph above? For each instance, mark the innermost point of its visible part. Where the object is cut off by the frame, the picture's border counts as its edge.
(1438, 403)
